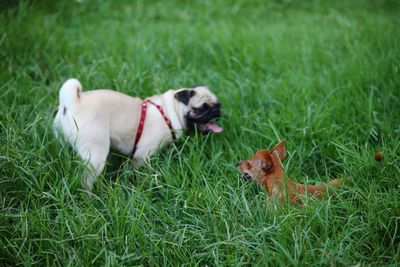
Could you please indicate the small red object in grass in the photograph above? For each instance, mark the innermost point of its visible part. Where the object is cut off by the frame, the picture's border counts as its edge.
(378, 156)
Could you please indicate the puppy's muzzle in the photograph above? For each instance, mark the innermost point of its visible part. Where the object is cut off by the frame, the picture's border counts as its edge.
(246, 176)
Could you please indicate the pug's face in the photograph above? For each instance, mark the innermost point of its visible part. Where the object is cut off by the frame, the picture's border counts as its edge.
(202, 109)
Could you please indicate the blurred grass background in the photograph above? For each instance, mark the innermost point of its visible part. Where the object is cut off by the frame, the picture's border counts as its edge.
(322, 75)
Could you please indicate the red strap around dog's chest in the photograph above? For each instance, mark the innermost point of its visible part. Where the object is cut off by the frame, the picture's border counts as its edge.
(143, 118)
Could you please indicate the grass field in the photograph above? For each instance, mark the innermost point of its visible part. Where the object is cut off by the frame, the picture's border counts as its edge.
(324, 75)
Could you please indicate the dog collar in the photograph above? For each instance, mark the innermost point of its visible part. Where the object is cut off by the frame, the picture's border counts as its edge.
(143, 118)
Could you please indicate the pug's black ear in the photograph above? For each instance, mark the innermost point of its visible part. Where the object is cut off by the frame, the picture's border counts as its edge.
(184, 96)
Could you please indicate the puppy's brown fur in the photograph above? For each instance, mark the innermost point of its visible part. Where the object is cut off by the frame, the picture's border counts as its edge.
(265, 166)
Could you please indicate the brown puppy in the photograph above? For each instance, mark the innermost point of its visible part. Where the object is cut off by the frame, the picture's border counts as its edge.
(266, 167)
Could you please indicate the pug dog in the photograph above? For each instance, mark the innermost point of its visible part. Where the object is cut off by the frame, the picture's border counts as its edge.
(93, 122)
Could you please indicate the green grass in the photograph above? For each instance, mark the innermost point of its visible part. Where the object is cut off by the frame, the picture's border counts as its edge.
(322, 75)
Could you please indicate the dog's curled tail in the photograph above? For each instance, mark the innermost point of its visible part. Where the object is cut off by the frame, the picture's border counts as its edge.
(70, 93)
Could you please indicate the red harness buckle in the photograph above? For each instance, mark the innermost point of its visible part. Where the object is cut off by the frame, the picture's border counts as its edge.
(143, 118)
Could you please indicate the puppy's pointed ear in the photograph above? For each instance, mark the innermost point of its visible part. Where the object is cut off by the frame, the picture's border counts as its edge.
(184, 96)
(279, 150)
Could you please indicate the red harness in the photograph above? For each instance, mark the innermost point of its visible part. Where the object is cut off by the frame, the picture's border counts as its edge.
(143, 118)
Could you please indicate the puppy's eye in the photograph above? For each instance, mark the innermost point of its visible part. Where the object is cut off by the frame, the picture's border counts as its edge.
(247, 164)
(267, 167)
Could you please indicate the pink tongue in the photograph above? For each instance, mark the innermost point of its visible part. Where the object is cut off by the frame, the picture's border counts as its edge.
(214, 127)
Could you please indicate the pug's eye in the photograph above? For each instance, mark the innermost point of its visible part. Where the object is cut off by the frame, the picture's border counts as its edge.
(202, 108)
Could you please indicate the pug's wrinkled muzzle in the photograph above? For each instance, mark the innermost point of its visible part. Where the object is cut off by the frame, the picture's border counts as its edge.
(205, 122)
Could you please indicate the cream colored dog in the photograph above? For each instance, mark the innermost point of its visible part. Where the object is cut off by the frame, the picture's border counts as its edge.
(95, 121)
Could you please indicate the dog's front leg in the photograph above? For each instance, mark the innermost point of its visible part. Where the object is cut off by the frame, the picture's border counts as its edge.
(136, 162)
(142, 156)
